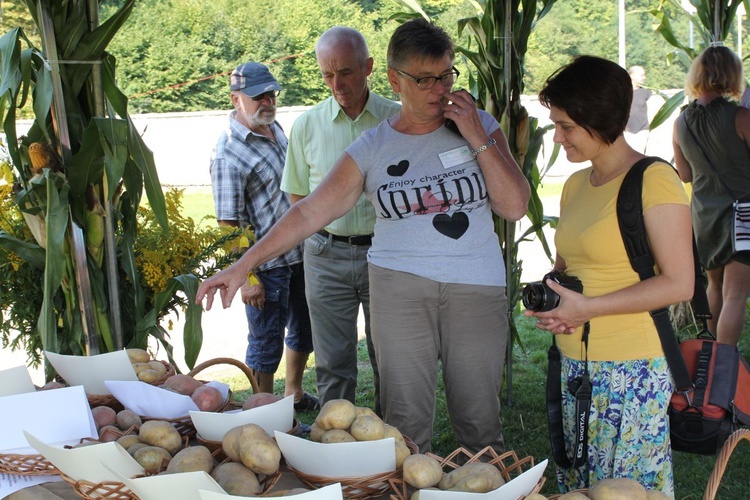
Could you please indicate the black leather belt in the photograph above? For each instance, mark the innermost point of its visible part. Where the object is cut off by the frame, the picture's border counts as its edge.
(357, 240)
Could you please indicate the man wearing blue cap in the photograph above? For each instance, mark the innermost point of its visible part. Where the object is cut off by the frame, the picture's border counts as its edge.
(246, 168)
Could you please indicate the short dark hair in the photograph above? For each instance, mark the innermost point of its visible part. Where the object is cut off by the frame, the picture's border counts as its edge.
(421, 39)
(594, 92)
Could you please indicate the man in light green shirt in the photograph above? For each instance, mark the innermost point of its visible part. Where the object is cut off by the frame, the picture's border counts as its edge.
(335, 259)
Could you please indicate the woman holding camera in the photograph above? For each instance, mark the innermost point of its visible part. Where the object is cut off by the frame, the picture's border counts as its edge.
(628, 428)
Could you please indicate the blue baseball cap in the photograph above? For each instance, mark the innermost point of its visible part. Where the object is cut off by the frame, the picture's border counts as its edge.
(252, 79)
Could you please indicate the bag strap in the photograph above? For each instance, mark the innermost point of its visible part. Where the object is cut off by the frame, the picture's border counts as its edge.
(635, 238)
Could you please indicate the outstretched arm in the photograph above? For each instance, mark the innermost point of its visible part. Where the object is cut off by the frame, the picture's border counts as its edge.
(335, 196)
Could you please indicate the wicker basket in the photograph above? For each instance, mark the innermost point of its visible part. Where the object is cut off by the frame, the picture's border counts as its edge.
(26, 465)
(508, 464)
(721, 462)
(111, 490)
(358, 487)
(184, 425)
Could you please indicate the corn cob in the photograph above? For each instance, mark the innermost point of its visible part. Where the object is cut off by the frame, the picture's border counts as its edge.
(94, 226)
(43, 156)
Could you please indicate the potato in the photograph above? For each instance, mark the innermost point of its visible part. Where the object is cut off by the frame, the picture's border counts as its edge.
(451, 479)
(152, 458)
(230, 444)
(260, 399)
(103, 416)
(109, 433)
(316, 433)
(135, 447)
(475, 483)
(336, 414)
(422, 471)
(573, 495)
(367, 428)
(535, 496)
(161, 433)
(364, 410)
(207, 398)
(126, 419)
(158, 367)
(617, 488)
(402, 452)
(259, 451)
(390, 431)
(138, 355)
(192, 459)
(139, 367)
(236, 479)
(183, 384)
(657, 495)
(337, 436)
(148, 375)
(128, 441)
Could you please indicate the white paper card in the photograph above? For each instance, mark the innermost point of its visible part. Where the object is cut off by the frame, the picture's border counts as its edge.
(10, 483)
(454, 157)
(86, 462)
(182, 486)
(363, 458)
(60, 416)
(330, 492)
(154, 402)
(92, 371)
(518, 487)
(15, 380)
(278, 416)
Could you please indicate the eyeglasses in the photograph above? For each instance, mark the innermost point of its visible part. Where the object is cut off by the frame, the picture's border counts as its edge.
(271, 94)
(427, 82)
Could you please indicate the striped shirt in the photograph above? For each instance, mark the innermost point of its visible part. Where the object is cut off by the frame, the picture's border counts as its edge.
(245, 174)
(318, 137)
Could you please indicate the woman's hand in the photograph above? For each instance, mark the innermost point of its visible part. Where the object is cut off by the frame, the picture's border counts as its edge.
(463, 111)
(567, 316)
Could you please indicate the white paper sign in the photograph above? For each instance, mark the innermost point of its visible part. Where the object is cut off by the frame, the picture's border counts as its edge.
(182, 486)
(338, 460)
(278, 416)
(15, 380)
(86, 462)
(92, 371)
(330, 492)
(154, 402)
(60, 416)
(516, 488)
(10, 483)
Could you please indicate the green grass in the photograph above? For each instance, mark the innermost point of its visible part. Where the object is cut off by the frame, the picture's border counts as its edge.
(525, 421)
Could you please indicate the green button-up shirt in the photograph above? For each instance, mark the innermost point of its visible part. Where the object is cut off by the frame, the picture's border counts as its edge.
(317, 139)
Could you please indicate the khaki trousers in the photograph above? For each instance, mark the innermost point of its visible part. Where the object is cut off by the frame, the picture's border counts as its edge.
(418, 324)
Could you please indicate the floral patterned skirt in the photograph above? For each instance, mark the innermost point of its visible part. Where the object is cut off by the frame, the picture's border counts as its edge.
(628, 433)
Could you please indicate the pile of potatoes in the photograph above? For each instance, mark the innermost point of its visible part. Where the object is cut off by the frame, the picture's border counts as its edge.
(611, 489)
(110, 424)
(339, 421)
(425, 472)
(205, 397)
(252, 452)
(146, 369)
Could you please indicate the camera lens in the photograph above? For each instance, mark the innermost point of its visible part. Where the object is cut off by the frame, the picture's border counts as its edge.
(539, 297)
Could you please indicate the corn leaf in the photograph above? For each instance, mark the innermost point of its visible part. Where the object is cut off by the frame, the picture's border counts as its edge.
(30, 252)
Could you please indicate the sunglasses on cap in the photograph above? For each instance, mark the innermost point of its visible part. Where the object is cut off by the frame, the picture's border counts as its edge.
(271, 94)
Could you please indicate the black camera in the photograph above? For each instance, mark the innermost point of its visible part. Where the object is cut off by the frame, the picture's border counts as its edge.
(539, 297)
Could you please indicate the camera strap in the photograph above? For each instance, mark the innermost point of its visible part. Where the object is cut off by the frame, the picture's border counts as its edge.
(582, 392)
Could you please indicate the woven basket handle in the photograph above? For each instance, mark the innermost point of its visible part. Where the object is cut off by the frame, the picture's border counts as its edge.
(721, 462)
(229, 361)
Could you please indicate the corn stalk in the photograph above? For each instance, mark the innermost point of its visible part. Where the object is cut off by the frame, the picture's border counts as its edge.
(80, 174)
(498, 41)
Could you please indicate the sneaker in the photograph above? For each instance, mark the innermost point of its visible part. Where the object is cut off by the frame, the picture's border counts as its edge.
(307, 403)
(302, 430)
